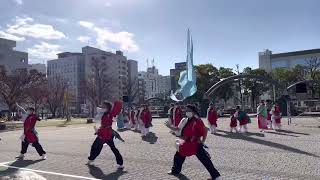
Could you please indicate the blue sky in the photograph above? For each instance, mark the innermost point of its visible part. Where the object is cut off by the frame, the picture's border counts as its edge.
(225, 32)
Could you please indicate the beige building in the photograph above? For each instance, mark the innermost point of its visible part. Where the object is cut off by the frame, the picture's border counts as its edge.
(269, 61)
(75, 68)
(117, 68)
(10, 58)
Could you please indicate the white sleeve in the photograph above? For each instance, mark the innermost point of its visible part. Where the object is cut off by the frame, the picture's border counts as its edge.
(182, 123)
(21, 108)
(24, 114)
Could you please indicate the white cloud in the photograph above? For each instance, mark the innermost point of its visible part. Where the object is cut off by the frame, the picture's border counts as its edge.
(61, 20)
(44, 50)
(86, 24)
(84, 39)
(18, 2)
(104, 36)
(11, 37)
(107, 4)
(26, 27)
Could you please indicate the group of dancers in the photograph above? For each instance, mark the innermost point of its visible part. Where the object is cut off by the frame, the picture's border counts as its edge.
(135, 118)
(191, 131)
(268, 117)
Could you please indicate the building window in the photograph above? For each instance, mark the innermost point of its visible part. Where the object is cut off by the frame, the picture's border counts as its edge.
(23, 60)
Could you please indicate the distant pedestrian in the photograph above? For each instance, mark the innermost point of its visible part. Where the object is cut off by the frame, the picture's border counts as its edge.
(170, 114)
(126, 118)
(269, 107)
(177, 115)
(276, 116)
(133, 119)
(243, 119)
(120, 120)
(262, 115)
(146, 118)
(233, 123)
(212, 117)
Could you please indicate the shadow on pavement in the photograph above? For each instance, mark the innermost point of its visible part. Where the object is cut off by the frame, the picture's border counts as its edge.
(292, 132)
(282, 134)
(181, 177)
(99, 174)
(20, 164)
(263, 142)
(151, 138)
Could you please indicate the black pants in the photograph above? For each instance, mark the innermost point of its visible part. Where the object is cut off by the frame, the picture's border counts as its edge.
(37, 145)
(97, 147)
(204, 158)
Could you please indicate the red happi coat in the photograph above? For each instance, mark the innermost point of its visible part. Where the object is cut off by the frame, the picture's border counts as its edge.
(132, 117)
(212, 116)
(146, 118)
(29, 131)
(177, 116)
(277, 113)
(105, 130)
(233, 122)
(191, 134)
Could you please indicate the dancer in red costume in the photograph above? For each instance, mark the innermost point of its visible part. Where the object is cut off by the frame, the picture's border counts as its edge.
(30, 135)
(193, 134)
(105, 134)
(212, 117)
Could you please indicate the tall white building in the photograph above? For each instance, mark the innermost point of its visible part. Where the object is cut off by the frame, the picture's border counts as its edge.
(10, 58)
(155, 85)
(70, 68)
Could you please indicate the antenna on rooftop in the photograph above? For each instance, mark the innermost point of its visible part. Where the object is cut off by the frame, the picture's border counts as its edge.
(147, 63)
(153, 62)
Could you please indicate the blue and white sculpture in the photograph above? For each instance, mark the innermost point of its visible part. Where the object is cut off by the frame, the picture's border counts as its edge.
(188, 79)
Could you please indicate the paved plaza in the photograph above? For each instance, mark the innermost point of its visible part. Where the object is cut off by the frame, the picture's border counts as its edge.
(293, 153)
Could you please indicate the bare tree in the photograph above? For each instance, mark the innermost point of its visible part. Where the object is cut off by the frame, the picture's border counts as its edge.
(14, 86)
(133, 90)
(313, 69)
(57, 88)
(97, 86)
(38, 94)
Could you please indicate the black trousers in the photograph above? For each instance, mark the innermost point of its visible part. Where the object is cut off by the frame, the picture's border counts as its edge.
(37, 145)
(204, 158)
(97, 147)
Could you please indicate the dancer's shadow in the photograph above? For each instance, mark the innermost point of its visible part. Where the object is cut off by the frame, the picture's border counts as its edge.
(264, 142)
(99, 174)
(278, 133)
(245, 134)
(19, 163)
(292, 132)
(151, 138)
(181, 177)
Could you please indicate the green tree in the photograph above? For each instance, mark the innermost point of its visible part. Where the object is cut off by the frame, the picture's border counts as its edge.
(207, 75)
(253, 87)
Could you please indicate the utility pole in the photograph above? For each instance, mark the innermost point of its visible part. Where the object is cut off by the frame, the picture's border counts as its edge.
(240, 90)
